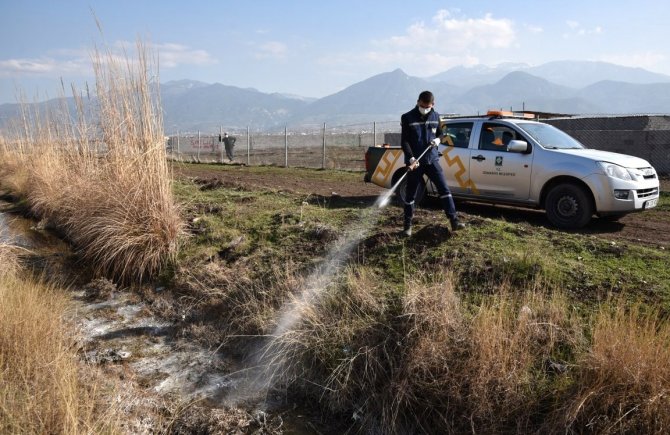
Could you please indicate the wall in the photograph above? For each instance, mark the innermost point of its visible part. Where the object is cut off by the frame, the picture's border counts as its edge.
(645, 136)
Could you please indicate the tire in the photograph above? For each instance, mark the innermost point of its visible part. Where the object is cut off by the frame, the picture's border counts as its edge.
(400, 191)
(569, 206)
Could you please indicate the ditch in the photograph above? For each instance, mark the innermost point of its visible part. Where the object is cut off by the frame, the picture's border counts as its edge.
(165, 383)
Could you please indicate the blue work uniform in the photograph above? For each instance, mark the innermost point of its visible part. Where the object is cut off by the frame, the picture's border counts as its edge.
(417, 133)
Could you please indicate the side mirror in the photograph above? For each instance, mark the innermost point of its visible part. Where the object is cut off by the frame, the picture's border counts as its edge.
(517, 146)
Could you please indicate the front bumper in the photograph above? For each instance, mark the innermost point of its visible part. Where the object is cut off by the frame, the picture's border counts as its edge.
(642, 194)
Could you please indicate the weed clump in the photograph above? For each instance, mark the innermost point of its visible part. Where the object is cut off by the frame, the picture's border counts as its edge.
(421, 357)
(624, 377)
(102, 178)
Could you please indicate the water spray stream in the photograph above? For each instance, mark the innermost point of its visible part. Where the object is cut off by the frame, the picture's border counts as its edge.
(384, 199)
(268, 362)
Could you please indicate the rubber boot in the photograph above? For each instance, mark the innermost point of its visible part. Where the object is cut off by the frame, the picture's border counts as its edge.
(456, 225)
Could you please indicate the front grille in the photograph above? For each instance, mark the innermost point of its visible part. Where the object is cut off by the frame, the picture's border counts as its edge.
(648, 173)
(646, 193)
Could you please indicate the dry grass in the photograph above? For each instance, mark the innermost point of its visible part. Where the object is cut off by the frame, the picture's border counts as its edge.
(515, 346)
(8, 260)
(624, 378)
(41, 390)
(516, 362)
(102, 178)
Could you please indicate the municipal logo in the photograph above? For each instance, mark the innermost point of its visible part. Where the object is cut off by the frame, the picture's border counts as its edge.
(499, 160)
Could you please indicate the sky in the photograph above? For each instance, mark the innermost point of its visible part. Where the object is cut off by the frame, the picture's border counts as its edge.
(314, 48)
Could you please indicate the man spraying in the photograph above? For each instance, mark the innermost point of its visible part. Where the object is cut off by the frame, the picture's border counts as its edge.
(421, 130)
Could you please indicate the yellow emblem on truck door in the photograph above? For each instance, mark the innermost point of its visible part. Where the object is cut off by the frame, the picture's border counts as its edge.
(460, 171)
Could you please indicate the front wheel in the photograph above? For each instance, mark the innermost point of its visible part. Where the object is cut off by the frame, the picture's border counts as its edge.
(568, 206)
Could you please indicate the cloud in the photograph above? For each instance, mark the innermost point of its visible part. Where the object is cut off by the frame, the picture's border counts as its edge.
(427, 48)
(534, 29)
(272, 50)
(172, 55)
(454, 35)
(44, 66)
(77, 61)
(575, 29)
(648, 60)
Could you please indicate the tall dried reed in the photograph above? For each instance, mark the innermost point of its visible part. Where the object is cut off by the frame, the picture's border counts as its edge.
(41, 388)
(102, 175)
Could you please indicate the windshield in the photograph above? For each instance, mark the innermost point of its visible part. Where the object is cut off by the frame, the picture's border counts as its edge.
(550, 137)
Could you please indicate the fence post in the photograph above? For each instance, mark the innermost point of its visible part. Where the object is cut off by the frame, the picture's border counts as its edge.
(323, 158)
(178, 153)
(285, 147)
(198, 146)
(374, 134)
(248, 147)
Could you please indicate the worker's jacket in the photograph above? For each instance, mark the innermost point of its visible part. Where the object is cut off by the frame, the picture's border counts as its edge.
(417, 132)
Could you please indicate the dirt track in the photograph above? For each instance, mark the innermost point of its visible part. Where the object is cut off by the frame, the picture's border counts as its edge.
(652, 228)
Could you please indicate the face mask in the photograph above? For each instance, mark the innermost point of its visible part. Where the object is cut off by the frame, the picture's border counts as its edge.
(424, 110)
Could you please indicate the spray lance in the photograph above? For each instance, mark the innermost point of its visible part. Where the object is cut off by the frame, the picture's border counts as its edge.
(383, 202)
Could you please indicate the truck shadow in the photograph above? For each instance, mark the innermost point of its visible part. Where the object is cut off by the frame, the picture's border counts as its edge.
(529, 216)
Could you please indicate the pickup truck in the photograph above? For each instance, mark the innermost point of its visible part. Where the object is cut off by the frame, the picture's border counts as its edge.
(502, 158)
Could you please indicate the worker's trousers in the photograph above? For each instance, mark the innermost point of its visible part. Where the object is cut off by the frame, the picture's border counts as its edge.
(436, 175)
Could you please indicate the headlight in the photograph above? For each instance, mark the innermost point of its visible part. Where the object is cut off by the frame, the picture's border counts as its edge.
(615, 171)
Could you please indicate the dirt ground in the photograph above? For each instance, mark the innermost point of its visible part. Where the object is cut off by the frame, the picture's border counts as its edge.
(652, 228)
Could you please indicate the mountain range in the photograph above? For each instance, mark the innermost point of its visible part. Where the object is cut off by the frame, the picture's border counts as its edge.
(567, 87)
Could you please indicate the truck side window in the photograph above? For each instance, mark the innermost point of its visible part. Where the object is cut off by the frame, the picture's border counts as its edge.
(496, 137)
(457, 134)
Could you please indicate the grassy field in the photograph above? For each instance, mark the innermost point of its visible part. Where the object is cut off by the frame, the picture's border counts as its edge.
(505, 326)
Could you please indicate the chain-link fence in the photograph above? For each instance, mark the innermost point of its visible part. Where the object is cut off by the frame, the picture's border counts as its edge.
(343, 146)
(313, 146)
(644, 136)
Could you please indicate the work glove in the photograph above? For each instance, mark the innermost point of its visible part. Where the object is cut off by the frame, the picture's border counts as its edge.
(413, 164)
(435, 142)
